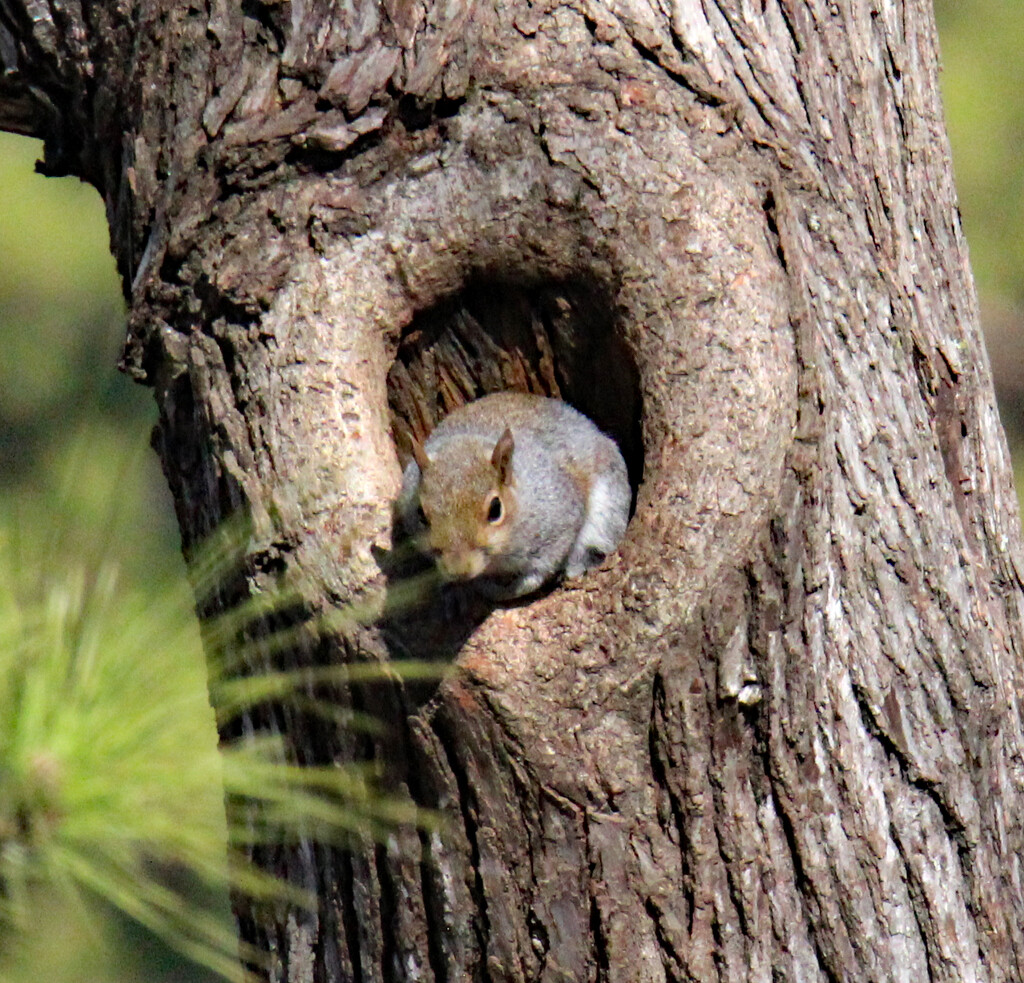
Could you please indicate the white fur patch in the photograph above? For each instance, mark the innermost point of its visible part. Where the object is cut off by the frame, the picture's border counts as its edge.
(606, 517)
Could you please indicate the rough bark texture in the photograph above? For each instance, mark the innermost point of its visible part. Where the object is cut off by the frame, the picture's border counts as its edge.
(778, 736)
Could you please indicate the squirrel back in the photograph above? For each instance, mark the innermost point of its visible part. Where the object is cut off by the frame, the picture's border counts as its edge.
(511, 490)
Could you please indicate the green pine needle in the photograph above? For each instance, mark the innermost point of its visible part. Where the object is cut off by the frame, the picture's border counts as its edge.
(111, 781)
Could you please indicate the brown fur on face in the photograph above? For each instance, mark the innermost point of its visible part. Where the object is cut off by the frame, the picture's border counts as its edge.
(458, 502)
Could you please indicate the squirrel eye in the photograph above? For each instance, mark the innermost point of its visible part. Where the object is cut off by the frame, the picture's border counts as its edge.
(494, 510)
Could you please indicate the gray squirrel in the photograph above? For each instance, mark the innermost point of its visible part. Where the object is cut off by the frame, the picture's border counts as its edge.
(511, 490)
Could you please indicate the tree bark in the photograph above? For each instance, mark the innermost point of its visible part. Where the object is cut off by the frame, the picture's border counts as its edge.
(778, 735)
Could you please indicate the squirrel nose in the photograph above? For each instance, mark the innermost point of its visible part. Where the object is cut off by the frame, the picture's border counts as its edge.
(462, 565)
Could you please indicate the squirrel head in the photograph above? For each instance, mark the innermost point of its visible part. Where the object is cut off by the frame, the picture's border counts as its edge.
(468, 502)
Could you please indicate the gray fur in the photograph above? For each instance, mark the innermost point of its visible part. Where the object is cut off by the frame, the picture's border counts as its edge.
(569, 482)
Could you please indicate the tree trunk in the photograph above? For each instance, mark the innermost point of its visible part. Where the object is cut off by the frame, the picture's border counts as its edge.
(778, 735)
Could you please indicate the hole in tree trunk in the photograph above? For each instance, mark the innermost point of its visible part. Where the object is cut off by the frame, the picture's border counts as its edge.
(555, 339)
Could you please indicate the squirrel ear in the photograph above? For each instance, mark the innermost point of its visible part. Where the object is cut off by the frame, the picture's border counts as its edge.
(420, 455)
(501, 456)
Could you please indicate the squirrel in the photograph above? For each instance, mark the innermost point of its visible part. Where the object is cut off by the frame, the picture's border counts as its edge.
(512, 490)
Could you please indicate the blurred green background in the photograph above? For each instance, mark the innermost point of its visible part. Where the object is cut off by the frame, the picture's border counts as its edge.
(79, 484)
(983, 90)
(79, 488)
